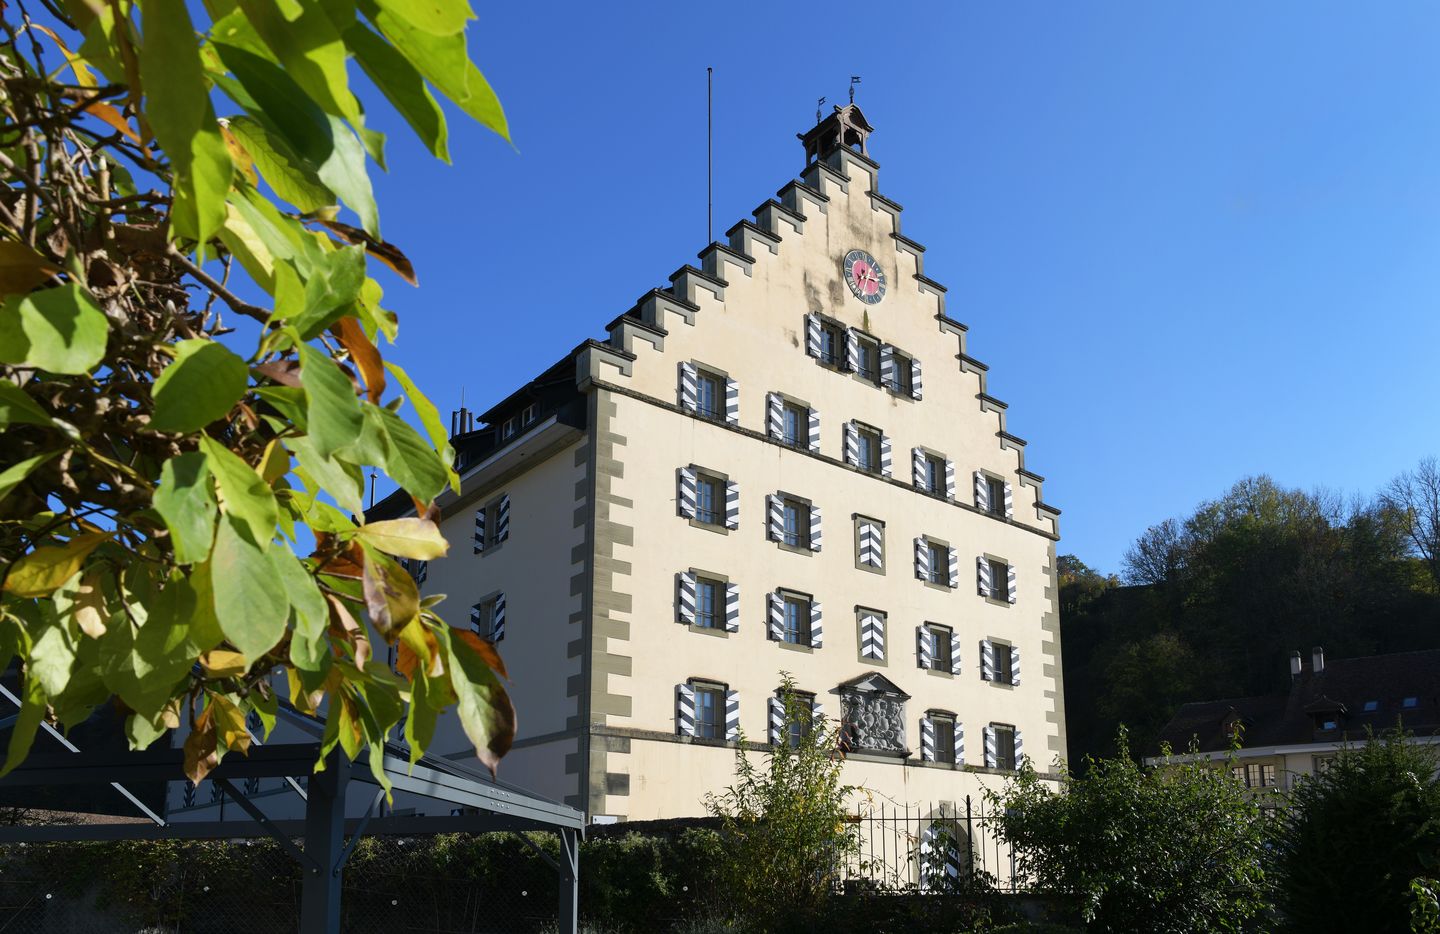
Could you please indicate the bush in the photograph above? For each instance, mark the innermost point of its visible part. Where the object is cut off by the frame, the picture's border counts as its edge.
(1356, 835)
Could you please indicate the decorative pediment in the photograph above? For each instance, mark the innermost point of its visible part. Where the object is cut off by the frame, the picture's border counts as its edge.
(874, 683)
(873, 711)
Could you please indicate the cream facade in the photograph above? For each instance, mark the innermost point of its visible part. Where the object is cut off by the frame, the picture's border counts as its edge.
(582, 527)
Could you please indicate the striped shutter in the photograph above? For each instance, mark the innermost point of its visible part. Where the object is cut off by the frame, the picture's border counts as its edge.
(915, 389)
(922, 559)
(684, 710)
(732, 505)
(918, 457)
(732, 608)
(817, 712)
(927, 739)
(687, 390)
(777, 616)
(1019, 748)
(924, 656)
(477, 622)
(774, 415)
(953, 571)
(777, 720)
(852, 351)
(887, 365)
(815, 528)
(817, 629)
(732, 401)
(987, 660)
(949, 479)
(479, 531)
(685, 585)
(812, 335)
(502, 519)
(1010, 580)
(852, 444)
(1014, 665)
(872, 637)
(686, 497)
(959, 743)
(884, 455)
(954, 653)
(732, 715)
(422, 571)
(984, 583)
(1009, 502)
(872, 552)
(814, 430)
(989, 747)
(497, 626)
(982, 492)
(775, 524)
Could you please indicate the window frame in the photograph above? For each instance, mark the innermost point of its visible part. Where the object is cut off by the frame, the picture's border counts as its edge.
(836, 331)
(704, 375)
(900, 362)
(801, 412)
(801, 539)
(943, 723)
(703, 687)
(857, 519)
(862, 342)
(935, 475)
(999, 580)
(941, 641)
(1008, 670)
(507, 429)
(717, 608)
(1007, 761)
(487, 606)
(806, 725)
(995, 487)
(939, 554)
(867, 458)
(803, 628)
(702, 478)
(529, 414)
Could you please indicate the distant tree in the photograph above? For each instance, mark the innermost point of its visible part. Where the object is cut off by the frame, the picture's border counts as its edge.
(1157, 556)
(1177, 848)
(1080, 584)
(1415, 497)
(1355, 835)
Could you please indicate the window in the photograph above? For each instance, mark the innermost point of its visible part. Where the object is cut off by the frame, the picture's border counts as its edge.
(709, 396)
(867, 357)
(487, 618)
(938, 571)
(797, 620)
(1238, 773)
(903, 377)
(944, 737)
(707, 600)
(1371, 706)
(507, 429)
(709, 500)
(1252, 775)
(997, 495)
(528, 414)
(803, 706)
(1004, 662)
(869, 544)
(1323, 764)
(999, 579)
(1328, 722)
(1410, 702)
(940, 645)
(1267, 775)
(709, 711)
(797, 524)
(1004, 746)
(832, 344)
(868, 449)
(795, 425)
(934, 475)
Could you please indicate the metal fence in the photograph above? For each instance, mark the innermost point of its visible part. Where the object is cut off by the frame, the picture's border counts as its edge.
(928, 847)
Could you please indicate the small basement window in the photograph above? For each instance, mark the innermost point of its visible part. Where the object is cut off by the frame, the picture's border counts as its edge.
(1371, 706)
(1410, 702)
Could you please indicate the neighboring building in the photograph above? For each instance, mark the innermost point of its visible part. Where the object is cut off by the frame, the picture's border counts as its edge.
(786, 460)
(1283, 738)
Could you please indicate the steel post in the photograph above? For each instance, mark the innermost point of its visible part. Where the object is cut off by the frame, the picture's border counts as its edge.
(324, 836)
(569, 919)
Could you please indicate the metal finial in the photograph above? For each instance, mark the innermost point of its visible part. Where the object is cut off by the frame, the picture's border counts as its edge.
(854, 80)
(819, 107)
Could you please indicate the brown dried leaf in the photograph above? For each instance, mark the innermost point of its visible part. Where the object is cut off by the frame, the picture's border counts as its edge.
(200, 757)
(485, 649)
(21, 268)
(284, 372)
(110, 115)
(366, 357)
(387, 253)
(391, 597)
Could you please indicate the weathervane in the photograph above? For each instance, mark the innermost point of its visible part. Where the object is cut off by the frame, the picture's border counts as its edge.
(854, 80)
(819, 106)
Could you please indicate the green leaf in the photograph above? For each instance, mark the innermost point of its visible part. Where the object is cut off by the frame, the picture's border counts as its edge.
(60, 330)
(429, 417)
(252, 611)
(17, 408)
(244, 495)
(486, 712)
(402, 85)
(52, 658)
(307, 45)
(32, 712)
(178, 107)
(42, 571)
(202, 385)
(179, 628)
(332, 409)
(308, 611)
(409, 538)
(293, 180)
(412, 462)
(333, 285)
(341, 480)
(438, 17)
(15, 474)
(187, 504)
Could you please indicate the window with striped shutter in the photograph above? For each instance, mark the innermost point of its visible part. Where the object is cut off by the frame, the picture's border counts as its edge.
(777, 721)
(959, 743)
(852, 444)
(887, 366)
(775, 616)
(870, 543)
(852, 351)
(989, 747)
(1014, 665)
(922, 558)
(872, 635)
(687, 389)
(1009, 501)
(920, 474)
(949, 479)
(1010, 590)
(817, 632)
(775, 517)
(952, 571)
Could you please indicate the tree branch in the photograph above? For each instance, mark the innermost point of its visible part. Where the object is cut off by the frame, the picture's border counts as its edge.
(230, 298)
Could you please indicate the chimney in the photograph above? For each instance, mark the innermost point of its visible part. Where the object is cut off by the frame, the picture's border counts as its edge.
(461, 421)
(1296, 666)
(1317, 659)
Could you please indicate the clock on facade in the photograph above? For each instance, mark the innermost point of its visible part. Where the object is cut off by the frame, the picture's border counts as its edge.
(864, 276)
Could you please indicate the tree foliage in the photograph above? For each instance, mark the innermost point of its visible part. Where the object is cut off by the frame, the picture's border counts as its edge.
(785, 825)
(1355, 836)
(182, 466)
(1175, 848)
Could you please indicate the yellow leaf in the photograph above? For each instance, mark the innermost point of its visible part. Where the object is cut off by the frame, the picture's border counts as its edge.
(230, 724)
(275, 462)
(408, 538)
(200, 755)
(223, 663)
(21, 268)
(113, 117)
(238, 153)
(88, 602)
(43, 570)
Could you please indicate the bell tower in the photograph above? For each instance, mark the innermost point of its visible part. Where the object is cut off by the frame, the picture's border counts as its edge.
(845, 128)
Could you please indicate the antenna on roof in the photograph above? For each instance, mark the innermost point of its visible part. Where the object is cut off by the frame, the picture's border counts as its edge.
(854, 80)
(819, 106)
(709, 156)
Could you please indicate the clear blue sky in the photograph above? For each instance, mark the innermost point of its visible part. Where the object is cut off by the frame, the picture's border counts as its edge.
(1193, 242)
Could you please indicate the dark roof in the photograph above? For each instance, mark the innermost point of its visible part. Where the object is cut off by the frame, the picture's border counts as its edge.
(1344, 689)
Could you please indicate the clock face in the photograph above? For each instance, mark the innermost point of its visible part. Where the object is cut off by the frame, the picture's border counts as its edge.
(864, 276)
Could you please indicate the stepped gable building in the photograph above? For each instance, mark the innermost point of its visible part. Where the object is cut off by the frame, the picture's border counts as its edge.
(1289, 736)
(786, 460)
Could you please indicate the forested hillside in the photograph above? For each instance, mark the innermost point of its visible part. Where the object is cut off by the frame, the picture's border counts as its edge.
(1211, 605)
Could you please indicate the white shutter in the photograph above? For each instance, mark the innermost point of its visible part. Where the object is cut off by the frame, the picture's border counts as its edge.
(732, 715)
(1009, 501)
(732, 505)
(686, 590)
(812, 335)
(922, 559)
(959, 743)
(927, 739)
(817, 629)
(732, 608)
(777, 617)
(777, 720)
(953, 571)
(817, 713)
(815, 528)
(915, 380)
(687, 386)
(775, 523)
(989, 747)
(814, 430)
(775, 415)
(685, 710)
(949, 479)
(1015, 665)
(885, 455)
(871, 551)
(502, 519)
(954, 653)
(887, 366)
(732, 401)
(987, 660)
(872, 637)
(1010, 581)
(497, 625)
(852, 351)
(686, 493)
(924, 653)
(982, 492)
(479, 530)
(984, 583)
(852, 444)
(918, 457)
